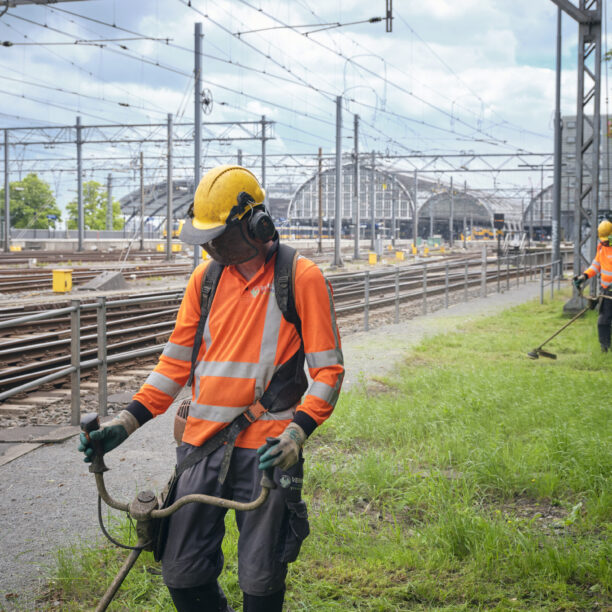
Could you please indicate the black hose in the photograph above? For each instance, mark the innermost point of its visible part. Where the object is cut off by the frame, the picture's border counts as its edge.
(109, 536)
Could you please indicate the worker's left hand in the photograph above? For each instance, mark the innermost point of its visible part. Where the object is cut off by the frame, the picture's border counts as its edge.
(283, 451)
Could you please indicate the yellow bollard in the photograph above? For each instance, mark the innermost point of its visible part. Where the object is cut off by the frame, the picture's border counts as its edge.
(372, 258)
(414, 249)
(14, 248)
(177, 247)
(161, 248)
(399, 255)
(442, 248)
(426, 251)
(62, 280)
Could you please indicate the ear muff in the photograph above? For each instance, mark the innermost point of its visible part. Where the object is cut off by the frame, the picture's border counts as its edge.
(260, 225)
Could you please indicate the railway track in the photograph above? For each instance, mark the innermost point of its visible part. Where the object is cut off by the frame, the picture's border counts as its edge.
(31, 350)
(25, 279)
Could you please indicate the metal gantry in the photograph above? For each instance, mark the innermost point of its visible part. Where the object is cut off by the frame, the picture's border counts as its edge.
(129, 134)
(588, 129)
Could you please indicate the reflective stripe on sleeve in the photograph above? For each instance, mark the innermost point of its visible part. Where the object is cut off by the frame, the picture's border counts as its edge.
(323, 359)
(177, 351)
(326, 392)
(163, 383)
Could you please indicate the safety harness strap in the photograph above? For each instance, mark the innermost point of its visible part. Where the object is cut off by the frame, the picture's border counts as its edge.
(207, 293)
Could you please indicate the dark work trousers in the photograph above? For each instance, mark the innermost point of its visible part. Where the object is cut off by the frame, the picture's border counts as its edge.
(604, 320)
(267, 541)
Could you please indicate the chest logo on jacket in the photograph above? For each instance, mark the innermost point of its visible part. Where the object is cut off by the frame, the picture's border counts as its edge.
(262, 289)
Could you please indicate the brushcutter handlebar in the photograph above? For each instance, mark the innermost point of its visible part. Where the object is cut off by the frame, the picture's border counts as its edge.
(91, 422)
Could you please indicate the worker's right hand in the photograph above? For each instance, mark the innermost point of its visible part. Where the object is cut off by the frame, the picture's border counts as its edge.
(109, 437)
(578, 280)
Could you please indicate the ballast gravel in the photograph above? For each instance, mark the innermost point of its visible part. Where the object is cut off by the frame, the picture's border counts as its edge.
(48, 497)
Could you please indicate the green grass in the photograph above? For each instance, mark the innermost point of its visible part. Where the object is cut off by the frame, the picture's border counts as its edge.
(478, 479)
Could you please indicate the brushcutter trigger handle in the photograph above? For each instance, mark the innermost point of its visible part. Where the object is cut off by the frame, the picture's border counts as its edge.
(91, 422)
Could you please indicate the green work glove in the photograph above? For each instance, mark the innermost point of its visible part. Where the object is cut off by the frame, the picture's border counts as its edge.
(578, 280)
(110, 435)
(283, 451)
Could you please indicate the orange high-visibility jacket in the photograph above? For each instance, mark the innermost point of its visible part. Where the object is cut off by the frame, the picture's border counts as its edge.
(602, 264)
(246, 339)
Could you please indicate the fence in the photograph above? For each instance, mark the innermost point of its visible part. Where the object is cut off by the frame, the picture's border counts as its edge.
(409, 283)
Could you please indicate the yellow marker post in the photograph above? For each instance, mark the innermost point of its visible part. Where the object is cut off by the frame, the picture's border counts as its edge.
(399, 255)
(62, 280)
(372, 259)
(414, 249)
(425, 251)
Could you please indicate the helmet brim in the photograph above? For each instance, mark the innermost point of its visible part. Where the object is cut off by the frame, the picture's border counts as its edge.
(193, 235)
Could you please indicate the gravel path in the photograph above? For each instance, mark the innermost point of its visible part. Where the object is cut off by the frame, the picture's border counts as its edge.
(48, 498)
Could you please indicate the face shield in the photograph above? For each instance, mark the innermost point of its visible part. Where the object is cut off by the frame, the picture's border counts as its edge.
(232, 247)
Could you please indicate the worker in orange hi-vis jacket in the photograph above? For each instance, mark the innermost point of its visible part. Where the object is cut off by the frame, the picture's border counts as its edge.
(248, 322)
(602, 265)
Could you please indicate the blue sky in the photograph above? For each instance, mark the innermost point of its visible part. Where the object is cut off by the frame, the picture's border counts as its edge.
(452, 76)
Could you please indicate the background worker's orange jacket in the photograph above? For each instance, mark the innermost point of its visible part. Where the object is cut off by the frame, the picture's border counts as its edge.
(246, 339)
(602, 263)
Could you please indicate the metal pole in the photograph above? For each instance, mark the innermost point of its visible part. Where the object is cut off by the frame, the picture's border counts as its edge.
(356, 187)
(338, 194)
(7, 199)
(169, 218)
(542, 285)
(415, 210)
(197, 119)
(498, 275)
(451, 222)
(483, 280)
(75, 362)
(102, 358)
(446, 285)
(109, 202)
(425, 288)
(465, 283)
(393, 213)
(556, 208)
(397, 294)
(142, 202)
(239, 157)
(80, 219)
(366, 301)
(372, 202)
(320, 177)
(464, 214)
(263, 152)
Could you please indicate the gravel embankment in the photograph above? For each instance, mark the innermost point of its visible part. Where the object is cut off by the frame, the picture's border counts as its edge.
(48, 498)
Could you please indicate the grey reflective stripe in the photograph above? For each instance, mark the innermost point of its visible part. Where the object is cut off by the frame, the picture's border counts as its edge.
(163, 383)
(323, 359)
(176, 351)
(269, 344)
(218, 414)
(278, 416)
(332, 313)
(326, 392)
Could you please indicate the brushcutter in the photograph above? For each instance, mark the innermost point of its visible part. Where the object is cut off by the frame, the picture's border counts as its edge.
(539, 352)
(148, 510)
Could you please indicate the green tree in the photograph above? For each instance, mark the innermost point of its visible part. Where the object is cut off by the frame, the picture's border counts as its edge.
(31, 200)
(94, 209)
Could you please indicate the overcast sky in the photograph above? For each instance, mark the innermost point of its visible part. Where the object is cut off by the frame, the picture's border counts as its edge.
(454, 75)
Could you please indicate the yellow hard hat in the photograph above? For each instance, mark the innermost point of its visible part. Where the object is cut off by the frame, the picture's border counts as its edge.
(216, 204)
(604, 229)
